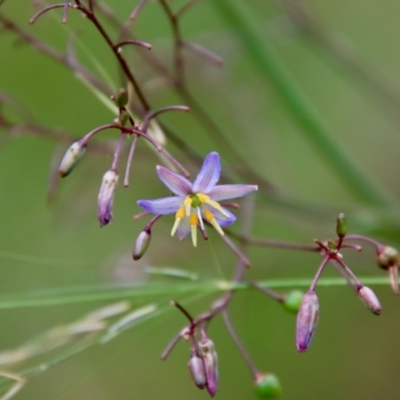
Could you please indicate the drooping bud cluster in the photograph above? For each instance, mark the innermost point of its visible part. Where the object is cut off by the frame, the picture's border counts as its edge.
(203, 365)
(210, 360)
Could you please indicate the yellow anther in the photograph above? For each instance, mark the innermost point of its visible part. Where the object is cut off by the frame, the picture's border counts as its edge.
(203, 197)
(193, 221)
(187, 203)
(217, 206)
(211, 219)
(208, 215)
(180, 214)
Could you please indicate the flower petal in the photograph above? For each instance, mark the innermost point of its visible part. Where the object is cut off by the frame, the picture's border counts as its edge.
(208, 175)
(178, 184)
(225, 192)
(166, 205)
(184, 228)
(223, 220)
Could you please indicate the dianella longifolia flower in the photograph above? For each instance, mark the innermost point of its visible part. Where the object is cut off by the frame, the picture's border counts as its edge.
(197, 201)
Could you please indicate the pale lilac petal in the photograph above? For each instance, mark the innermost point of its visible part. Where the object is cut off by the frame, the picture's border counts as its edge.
(183, 228)
(225, 192)
(209, 174)
(222, 219)
(166, 205)
(178, 184)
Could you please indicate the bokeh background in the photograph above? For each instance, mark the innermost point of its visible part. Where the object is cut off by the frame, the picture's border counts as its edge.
(344, 58)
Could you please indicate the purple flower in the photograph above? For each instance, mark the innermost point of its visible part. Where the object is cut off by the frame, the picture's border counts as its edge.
(196, 201)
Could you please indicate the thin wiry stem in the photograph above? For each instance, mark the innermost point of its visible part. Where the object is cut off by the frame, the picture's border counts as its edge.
(129, 161)
(140, 43)
(91, 16)
(178, 43)
(238, 342)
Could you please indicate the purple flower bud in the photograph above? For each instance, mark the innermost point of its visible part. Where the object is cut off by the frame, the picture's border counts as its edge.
(307, 320)
(197, 371)
(141, 244)
(106, 197)
(210, 360)
(72, 157)
(369, 298)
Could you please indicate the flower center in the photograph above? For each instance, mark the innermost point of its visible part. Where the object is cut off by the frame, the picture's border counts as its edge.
(193, 210)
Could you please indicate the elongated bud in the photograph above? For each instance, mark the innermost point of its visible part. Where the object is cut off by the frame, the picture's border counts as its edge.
(210, 360)
(293, 301)
(341, 225)
(369, 298)
(197, 371)
(121, 97)
(106, 197)
(267, 386)
(141, 244)
(307, 320)
(71, 158)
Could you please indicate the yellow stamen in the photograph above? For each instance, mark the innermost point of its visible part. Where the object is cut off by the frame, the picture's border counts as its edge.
(180, 214)
(211, 219)
(203, 197)
(216, 205)
(193, 221)
(187, 203)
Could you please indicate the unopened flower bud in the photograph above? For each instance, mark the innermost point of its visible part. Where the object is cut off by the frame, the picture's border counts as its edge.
(210, 360)
(106, 197)
(369, 298)
(388, 258)
(123, 118)
(141, 244)
(121, 97)
(72, 157)
(292, 301)
(197, 371)
(307, 320)
(341, 225)
(267, 386)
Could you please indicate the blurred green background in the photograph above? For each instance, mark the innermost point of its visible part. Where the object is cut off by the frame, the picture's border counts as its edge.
(345, 63)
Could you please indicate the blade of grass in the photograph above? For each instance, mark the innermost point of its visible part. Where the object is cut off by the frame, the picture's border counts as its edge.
(272, 68)
(96, 293)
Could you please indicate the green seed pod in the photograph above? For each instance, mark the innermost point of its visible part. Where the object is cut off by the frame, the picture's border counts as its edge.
(267, 386)
(293, 301)
(341, 225)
